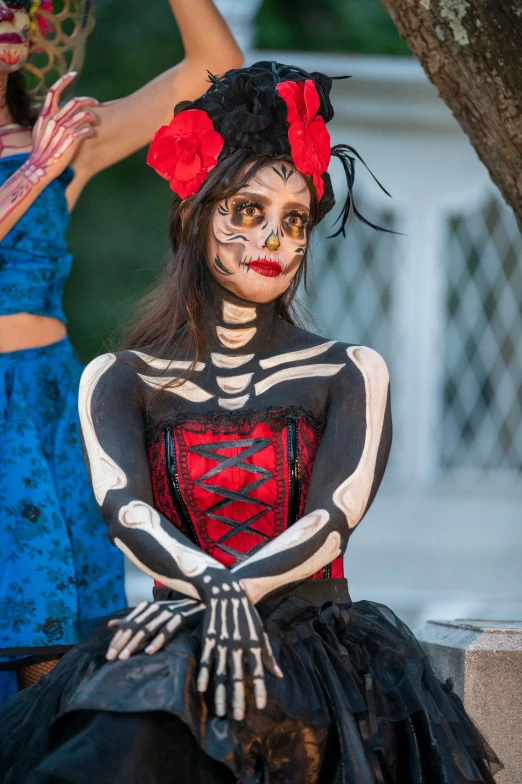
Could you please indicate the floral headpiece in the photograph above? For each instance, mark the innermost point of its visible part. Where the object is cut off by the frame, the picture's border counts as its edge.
(38, 22)
(270, 109)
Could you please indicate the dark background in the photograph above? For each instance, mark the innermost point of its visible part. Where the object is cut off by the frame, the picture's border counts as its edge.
(118, 228)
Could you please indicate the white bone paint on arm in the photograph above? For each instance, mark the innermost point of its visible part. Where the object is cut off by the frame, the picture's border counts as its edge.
(190, 562)
(304, 530)
(110, 412)
(321, 535)
(353, 494)
(105, 474)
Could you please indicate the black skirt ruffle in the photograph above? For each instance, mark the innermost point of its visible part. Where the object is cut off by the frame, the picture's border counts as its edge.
(359, 704)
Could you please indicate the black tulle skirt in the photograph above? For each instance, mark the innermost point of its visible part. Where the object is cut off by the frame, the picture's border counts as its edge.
(359, 704)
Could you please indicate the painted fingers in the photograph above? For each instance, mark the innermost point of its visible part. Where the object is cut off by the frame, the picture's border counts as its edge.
(52, 99)
(234, 637)
(149, 626)
(59, 131)
(52, 130)
(226, 666)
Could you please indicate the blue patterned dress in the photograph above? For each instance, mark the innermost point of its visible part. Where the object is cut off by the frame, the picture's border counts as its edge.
(58, 570)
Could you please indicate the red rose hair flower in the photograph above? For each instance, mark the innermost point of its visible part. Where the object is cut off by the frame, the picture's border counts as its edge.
(184, 151)
(43, 24)
(37, 21)
(307, 133)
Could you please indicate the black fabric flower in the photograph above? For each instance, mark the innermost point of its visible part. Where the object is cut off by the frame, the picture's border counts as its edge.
(247, 112)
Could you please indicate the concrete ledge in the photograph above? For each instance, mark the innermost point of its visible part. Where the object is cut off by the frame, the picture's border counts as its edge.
(484, 661)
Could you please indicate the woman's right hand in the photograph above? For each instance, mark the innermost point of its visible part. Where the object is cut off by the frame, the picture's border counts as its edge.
(233, 640)
(58, 132)
(149, 626)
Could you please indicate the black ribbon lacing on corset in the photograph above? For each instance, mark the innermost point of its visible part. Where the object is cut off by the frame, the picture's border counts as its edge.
(369, 728)
(347, 156)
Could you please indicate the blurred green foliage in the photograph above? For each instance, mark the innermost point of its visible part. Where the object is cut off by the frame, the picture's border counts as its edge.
(118, 228)
(361, 26)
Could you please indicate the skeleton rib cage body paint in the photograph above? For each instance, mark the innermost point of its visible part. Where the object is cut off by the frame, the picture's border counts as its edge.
(346, 386)
(279, 370)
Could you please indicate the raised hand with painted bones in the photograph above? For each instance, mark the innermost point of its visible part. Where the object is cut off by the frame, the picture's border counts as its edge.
(59, 131)
(56, 138)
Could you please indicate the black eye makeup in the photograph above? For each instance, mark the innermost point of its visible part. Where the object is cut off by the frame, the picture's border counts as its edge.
(247, 213)
(295, 223)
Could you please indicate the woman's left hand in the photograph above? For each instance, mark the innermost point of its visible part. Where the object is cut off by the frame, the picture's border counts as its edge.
(154, 623)
(233, 635)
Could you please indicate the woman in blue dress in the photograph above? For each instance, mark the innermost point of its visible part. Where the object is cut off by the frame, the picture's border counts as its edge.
(58, 570)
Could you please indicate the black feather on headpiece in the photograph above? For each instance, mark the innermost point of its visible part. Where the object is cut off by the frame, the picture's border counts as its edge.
(342, 152)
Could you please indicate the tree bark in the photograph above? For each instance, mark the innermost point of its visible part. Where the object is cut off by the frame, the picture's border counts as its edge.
(472, 52)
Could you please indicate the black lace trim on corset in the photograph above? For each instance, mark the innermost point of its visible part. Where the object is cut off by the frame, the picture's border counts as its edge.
(240, 422)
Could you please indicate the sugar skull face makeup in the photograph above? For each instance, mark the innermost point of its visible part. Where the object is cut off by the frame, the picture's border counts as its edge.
(258, 237)
(14, 34)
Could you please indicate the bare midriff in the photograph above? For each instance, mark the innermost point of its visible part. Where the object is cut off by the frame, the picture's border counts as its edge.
(25, 330)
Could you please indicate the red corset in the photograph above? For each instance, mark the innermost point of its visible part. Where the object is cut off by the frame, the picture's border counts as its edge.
(233, 483)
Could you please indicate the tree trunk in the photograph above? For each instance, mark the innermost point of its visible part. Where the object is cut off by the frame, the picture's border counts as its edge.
(472, 52)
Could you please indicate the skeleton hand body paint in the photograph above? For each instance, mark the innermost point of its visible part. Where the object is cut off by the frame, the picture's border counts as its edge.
(56, 136)
(236, 507)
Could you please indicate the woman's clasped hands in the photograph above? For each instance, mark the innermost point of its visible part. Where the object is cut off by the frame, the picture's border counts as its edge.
(234, 642)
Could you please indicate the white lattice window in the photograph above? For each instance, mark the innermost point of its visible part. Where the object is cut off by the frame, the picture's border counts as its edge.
(351, 290)
(351, 283)
(482, 391)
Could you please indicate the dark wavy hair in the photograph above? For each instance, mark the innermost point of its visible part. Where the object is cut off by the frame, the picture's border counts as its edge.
(179, 298)
(19, 102)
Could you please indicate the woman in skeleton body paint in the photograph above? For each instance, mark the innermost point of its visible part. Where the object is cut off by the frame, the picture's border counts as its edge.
(233, 454)
(57, 567)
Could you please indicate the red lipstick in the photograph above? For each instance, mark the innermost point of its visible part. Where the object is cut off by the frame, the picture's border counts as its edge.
(270, 269)
(11, 38)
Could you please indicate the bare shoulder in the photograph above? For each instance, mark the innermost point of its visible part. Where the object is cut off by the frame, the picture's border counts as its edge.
(114, 369)
(298, 341)
(350, 365)
(368, 361)
(364, 370)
